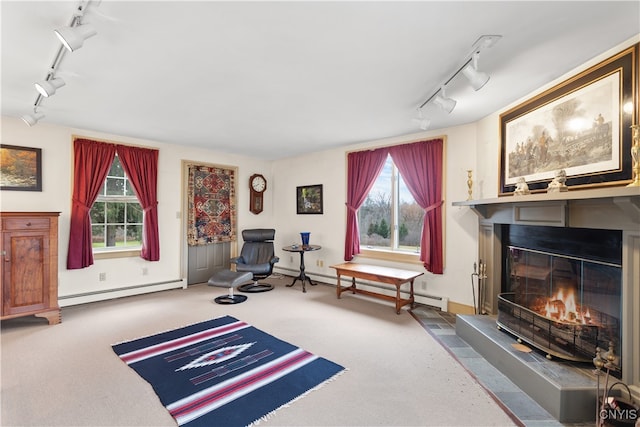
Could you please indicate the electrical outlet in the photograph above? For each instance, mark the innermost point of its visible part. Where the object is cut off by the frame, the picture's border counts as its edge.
(145, 271)
(102, 277)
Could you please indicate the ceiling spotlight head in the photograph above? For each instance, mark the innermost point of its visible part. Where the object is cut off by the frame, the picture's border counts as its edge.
(477, 78)
(446, 104)
(72, 38)
(424, 123)
(32, 119)
(47, 88)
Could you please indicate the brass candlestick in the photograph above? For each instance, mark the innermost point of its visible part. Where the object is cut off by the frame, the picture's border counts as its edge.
(635, 155)
(469, 184)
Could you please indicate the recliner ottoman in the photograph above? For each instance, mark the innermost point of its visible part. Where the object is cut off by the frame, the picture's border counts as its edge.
(230, 279)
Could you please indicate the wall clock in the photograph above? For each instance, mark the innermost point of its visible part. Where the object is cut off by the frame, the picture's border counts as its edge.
(257, 187)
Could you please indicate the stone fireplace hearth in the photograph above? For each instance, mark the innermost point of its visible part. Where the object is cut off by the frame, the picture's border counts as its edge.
(596, 209)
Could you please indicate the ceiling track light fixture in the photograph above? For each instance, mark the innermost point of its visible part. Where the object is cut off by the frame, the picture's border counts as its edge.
(469, 69)
(32, 119)
(446, 104)
(477, 78)
(48, 87)
(423, 122)
(71, 37)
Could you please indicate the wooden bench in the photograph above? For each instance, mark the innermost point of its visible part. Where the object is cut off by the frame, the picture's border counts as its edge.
(393, 276)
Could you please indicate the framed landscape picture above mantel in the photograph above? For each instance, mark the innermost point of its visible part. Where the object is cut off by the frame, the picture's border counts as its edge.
(309, 199)
(582, 125)
(20, 168)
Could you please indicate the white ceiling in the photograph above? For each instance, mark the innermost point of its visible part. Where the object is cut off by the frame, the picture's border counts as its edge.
(278, 79)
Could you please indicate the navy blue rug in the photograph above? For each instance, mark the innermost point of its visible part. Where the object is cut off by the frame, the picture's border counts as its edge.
(224, 371)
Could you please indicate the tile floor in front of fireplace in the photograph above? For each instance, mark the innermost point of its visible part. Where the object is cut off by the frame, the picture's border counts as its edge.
(441, 325)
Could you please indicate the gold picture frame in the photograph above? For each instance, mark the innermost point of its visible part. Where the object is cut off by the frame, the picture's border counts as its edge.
(581, 125)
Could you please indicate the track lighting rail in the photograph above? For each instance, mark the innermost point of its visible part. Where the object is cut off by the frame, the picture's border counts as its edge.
(462, 67)
(76, 20)
(484, 42)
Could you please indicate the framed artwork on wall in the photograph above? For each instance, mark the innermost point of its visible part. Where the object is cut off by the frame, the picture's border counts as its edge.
(309, 199)
(582, 125)
(20, 168)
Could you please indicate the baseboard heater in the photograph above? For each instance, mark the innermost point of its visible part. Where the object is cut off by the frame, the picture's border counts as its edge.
(433, 301)
(106, 294)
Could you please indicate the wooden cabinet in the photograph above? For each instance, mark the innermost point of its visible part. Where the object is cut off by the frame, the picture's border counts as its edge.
(29, 267)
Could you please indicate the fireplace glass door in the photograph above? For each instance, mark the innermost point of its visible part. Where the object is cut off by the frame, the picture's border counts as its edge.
(565, 305)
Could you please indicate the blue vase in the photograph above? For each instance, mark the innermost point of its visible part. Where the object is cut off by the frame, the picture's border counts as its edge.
(305, 238)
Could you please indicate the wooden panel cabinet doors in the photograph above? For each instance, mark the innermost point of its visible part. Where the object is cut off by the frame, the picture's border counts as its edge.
(30, 265)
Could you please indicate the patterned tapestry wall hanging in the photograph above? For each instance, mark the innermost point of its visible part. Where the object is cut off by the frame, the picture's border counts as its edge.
(211, 205)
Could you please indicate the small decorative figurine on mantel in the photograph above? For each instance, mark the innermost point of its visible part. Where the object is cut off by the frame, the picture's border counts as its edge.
(558, 183)
(521, 187)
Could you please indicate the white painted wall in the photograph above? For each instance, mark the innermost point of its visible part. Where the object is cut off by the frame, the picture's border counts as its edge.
(328, 230)
(57, 163)
(474, 146)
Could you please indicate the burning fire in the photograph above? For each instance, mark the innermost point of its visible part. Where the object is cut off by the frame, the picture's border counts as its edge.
(564, 308)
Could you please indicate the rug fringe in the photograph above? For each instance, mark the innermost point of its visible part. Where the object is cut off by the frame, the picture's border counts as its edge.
(269, 415)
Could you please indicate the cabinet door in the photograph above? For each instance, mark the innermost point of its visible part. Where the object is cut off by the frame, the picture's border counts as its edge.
(25, 272)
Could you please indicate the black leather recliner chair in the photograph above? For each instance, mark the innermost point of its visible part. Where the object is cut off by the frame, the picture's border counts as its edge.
(258, 257)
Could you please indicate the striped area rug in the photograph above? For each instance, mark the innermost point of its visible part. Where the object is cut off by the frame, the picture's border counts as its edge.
(224, 371)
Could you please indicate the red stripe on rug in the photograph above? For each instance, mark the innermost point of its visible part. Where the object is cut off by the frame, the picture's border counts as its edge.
(157, 349)
(241, 386)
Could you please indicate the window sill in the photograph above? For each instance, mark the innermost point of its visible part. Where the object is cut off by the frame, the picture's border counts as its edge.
(125, 253)
(405, 257)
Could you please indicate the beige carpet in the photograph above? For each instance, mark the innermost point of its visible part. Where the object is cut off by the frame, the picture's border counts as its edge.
(398, 375)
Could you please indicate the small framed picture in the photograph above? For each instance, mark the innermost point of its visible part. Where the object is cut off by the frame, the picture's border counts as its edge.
(20, 168)
(309, 199)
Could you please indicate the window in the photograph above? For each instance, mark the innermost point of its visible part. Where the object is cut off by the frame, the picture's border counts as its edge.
(116, 215)
(390, 219)
(421, 164)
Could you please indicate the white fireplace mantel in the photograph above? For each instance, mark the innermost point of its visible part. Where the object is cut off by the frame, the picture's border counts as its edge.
(611, 208)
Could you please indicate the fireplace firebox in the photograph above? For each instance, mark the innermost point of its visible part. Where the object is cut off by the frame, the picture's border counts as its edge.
(606, 224)
(562, 289)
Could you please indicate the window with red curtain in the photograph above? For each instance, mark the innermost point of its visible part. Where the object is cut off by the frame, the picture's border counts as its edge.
(420, 169)
(141, 166)
(92, 162)
(362, 169)
(420, 164)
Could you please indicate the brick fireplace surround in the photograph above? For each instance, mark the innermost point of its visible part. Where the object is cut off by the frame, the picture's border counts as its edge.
(615, 208)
